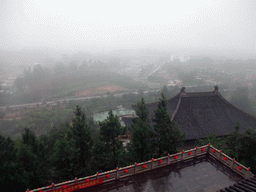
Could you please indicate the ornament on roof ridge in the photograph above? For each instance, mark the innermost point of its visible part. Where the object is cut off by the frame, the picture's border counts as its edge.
(182, 90)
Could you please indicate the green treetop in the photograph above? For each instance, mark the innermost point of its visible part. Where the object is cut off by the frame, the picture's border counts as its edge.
(168, 136)
(110, 129)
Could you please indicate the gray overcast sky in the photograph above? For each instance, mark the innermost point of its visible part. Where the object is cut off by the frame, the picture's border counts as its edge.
(111, 24)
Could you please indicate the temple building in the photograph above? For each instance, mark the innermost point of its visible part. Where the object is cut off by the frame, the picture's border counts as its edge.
(202, 168)
(201, 113)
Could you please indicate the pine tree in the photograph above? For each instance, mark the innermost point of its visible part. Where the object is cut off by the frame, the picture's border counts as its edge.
(12, 174)
(142, 111)
(141, 141)
(232, 143)
(29, 138)
(110, 129)
(81, 133)
(168, 136)
(28, 155)
(242, 146)
(141, 134)
(64, 158)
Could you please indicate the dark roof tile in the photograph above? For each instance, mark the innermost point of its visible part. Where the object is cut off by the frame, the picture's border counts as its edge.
(203, 113)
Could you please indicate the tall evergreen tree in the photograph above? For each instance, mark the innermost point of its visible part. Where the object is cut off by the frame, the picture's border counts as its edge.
(28, 153)
(141, 134)
(81, 133)
(232, 143)
(168, 136)
(12, 175)
(142, 111)
(242, 146)
(110, 129)
(64, 158)
(29, 138)
(141, 141)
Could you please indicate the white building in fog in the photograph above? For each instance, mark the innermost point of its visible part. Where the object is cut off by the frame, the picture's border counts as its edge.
(181, 58)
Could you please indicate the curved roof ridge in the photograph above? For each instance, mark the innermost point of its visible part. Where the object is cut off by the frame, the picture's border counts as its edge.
(198, 93)
(177, 108)
(154, 103)
(250, 116)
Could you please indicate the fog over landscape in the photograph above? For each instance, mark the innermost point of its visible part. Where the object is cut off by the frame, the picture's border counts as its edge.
(81, 81)
(210, 27)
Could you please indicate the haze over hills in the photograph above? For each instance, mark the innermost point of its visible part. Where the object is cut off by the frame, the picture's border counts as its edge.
(181, 27)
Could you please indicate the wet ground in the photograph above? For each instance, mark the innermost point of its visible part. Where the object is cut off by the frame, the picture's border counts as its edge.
(203, 174)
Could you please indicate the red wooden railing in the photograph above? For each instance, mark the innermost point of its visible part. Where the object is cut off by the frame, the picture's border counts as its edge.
(136, 168)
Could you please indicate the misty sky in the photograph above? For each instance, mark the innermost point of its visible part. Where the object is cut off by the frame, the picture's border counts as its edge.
(93, 24)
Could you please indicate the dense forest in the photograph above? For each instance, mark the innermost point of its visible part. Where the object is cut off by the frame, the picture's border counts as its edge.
(81, 147)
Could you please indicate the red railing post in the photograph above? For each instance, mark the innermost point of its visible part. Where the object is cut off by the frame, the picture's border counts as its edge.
(208, 148)
(117, 173)
(182, 155)
(220, 154)
(195, 151)
(232, 165)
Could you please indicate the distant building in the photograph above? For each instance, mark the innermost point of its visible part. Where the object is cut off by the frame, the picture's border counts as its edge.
(181, 58)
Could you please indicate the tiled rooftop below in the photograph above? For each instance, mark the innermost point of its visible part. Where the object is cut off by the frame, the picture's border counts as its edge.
(202, 174)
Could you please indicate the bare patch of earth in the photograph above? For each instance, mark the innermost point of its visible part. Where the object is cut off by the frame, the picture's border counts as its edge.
(99, 90)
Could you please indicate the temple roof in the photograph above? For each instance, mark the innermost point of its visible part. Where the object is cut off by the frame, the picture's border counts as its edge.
(201, 113)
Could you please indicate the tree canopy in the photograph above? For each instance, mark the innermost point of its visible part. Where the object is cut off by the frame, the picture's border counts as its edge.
(168, 135)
